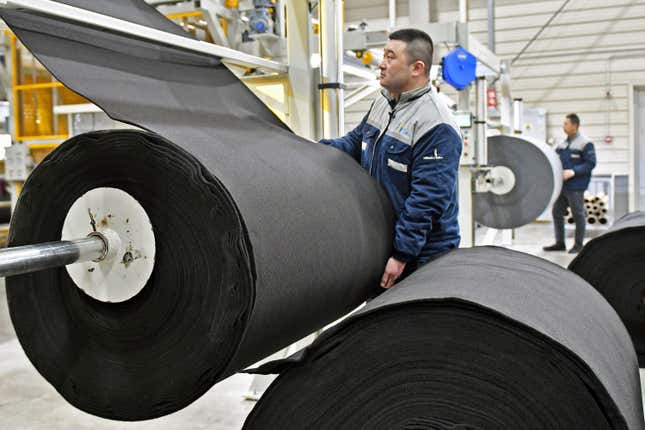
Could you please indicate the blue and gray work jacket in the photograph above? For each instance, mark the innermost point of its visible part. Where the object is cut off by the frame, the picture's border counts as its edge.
(579, 155)
(412, 147)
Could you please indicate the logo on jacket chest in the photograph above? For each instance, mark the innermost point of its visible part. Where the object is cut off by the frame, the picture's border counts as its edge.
(403, 130)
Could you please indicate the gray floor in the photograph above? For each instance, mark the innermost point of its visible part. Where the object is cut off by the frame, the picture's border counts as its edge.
(28, 402)
(531, 238)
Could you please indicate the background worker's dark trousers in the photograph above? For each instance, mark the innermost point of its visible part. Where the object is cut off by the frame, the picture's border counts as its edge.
(574, 200)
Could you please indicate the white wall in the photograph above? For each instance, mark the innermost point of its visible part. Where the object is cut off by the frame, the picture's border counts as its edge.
(583, 62)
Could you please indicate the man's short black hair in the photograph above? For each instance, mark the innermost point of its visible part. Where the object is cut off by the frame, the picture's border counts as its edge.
(574, 119)
(419, 45)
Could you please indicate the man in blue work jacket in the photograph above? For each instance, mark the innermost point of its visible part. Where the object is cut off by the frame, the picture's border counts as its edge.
(411, 144)
(578, 160)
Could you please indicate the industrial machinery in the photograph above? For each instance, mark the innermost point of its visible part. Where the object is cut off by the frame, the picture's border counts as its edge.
(259, 26)
(250, 37)
(261, 20)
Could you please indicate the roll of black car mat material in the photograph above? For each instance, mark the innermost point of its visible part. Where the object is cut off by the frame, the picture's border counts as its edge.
(261, 237)
(614, 263)
(481, 338)
(527, 178)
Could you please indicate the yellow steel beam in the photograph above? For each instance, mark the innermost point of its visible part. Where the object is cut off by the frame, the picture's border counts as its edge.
(14, 84)
(38, 86)
(43, 145)
(43, 137)
(184, 14)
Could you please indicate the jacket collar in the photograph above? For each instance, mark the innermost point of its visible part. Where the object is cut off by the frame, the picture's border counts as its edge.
(575, 136)
(408, 96)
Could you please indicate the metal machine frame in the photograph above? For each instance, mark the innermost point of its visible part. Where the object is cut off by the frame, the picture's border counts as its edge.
(86, 17)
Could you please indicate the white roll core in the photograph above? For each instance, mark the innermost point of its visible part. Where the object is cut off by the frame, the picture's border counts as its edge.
(124, 224)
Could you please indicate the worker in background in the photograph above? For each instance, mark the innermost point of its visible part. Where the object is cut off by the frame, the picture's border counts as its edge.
(578, 160)
(410, 144)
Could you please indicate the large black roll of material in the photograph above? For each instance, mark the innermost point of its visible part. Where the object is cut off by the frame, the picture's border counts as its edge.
(527, 178)
(261, 237)
(614, 263)
(481, 338)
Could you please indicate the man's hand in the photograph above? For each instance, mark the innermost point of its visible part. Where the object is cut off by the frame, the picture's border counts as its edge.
(568, 174)
(393, 270)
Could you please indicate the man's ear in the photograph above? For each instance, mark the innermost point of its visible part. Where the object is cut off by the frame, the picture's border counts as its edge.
(418, 68)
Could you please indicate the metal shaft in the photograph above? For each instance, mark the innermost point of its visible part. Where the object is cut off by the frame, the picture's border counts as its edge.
(32, 258)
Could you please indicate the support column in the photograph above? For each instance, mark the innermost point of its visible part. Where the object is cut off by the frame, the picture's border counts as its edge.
(331, 56)
(466, 217)
(302, 97)
(481, 108)
(419, 11)
(464, 94)
(463, 10)
(491, 25)
(392, 14)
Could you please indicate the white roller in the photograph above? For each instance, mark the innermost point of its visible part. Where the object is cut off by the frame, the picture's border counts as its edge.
(121, 220)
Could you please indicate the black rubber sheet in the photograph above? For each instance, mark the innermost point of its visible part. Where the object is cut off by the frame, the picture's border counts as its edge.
(262, 237)
(481, 338)
(614, 263)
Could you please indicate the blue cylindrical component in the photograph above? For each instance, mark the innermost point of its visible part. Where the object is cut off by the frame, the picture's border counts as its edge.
(459, 68)
(260, 20)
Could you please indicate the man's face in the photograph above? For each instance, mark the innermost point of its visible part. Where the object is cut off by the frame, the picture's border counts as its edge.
(396, 73)
(569, 128)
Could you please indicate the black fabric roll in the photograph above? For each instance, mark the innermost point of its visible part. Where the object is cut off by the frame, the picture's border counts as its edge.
(537, 172)
(614, 263)
(262, 237)
(481, 338)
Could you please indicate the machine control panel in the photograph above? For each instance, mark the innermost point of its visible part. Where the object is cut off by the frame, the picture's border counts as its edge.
(468, 148)
(464, 120)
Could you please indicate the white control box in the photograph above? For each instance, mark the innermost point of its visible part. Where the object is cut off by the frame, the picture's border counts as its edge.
(17, 157)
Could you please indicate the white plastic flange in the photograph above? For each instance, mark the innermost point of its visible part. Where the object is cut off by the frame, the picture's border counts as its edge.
(121, 220)
(502, 180)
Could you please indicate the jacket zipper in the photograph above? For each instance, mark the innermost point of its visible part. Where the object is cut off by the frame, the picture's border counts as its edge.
(378, 141)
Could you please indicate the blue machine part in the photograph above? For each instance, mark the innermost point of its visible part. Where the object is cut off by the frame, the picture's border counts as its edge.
(459, 68)
(260, 20)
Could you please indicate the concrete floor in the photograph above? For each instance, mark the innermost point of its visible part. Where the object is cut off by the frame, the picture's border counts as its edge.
(27, 401)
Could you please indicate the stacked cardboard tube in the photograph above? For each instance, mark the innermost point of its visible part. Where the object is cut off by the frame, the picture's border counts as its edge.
(596, 206)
